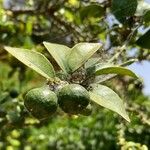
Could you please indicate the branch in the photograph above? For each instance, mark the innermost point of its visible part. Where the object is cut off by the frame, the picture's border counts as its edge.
(16, 12)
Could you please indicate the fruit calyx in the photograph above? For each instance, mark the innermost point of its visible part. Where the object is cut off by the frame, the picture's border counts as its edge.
(55, 84)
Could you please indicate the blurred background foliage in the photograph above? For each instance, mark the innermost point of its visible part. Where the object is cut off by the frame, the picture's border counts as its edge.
(113, 23)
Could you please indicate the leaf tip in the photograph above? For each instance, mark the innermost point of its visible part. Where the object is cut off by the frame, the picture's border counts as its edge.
(44, 43)
(6, 47)
(99, 45)
(127, 119)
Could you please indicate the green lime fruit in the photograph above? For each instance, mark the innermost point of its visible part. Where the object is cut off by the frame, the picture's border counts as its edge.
(87, 111)
(41, 102)
(73, 98)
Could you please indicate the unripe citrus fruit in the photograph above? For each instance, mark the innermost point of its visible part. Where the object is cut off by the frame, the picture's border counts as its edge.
(41, 102)
(73, 98)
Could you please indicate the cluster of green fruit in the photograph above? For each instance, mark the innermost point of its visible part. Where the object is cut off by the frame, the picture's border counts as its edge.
(73, 99)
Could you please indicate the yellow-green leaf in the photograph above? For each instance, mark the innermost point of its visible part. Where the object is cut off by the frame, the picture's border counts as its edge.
(107, 98)
(59, 53)
(110, 69)
(34, 60)
(80, 53)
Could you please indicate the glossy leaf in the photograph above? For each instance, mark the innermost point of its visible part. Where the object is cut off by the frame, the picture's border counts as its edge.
(34, 60)
(123, 8)
(144, 40)
(80, 53)
(107, 98)
(111, 69)
(59, 53)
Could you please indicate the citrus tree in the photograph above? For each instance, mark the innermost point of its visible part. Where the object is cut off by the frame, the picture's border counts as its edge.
(76, 47)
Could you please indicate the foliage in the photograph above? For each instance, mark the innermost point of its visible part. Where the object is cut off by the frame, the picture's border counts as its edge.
(74, 25)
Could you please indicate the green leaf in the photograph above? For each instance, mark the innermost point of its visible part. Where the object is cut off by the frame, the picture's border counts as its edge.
(34, 60)
(92, 61)
(129, 62)
(144, 40)
(123, 8)
(111, 69)
(107, 98)
(103, 78)
(59, 53)
(93, 10)
(80, 53)
(146, 17)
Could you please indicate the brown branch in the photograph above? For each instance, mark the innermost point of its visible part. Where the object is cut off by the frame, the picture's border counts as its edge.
(16, 12)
